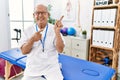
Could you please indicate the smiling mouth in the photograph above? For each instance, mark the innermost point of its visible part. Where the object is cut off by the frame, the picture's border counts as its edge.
(41, 19)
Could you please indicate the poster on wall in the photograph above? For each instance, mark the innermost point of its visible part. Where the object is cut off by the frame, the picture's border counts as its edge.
(69, 10)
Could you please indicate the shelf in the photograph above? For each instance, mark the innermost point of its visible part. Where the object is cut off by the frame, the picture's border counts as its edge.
(103, 27)
(101, 63)
(104, 45)
(106, 6)
(105, 48)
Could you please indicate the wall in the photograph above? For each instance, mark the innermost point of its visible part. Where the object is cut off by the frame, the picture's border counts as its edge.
(86, 15)
(4, 26)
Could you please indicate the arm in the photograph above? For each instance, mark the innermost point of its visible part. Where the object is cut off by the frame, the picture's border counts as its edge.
(27, 47)
(59, 41)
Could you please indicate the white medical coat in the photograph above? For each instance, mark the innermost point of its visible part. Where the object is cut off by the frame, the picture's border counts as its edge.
(40, 63)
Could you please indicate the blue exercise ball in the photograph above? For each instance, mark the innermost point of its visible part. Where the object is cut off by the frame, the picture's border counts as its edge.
(71, 31)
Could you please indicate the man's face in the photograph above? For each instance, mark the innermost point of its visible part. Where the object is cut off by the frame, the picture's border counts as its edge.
(41, 14)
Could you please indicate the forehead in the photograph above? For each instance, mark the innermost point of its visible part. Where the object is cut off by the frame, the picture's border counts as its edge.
(41, 8)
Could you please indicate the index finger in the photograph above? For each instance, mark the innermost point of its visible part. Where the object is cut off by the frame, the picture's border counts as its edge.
(61, 18)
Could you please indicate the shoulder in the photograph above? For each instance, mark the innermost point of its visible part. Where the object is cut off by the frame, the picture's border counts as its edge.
(51, 25)
(51, 29)
(30, 28)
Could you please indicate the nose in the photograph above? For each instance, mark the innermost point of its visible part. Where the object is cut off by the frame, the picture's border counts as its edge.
(40, 14)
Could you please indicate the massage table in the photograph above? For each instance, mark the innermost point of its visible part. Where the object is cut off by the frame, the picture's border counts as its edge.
(72, 68)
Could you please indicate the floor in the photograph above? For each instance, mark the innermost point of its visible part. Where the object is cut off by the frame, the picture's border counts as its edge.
(16, 78)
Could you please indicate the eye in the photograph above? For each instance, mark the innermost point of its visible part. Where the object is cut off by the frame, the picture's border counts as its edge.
(42, 13)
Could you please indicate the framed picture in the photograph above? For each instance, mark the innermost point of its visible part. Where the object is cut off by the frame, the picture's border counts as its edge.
(69, 10)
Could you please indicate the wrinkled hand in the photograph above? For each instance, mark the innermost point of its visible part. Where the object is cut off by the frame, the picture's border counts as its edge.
(37, 36)
(58, 25)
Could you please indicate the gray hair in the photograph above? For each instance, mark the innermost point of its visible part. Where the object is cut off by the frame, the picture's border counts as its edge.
(43, 6)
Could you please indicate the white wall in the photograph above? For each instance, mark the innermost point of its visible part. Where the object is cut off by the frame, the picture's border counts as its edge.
(86, 15)
(4, 26)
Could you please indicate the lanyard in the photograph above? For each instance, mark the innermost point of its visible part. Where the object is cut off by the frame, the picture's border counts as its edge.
(43, 41)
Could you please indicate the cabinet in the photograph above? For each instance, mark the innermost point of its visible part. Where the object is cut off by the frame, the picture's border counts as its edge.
(105, 35)
(76, 47)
